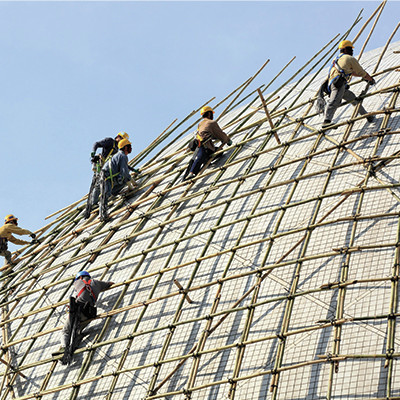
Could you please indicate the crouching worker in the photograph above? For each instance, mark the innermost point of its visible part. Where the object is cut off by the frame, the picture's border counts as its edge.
(207, 131)
(115, 174)
(81, 310)
(11, 227)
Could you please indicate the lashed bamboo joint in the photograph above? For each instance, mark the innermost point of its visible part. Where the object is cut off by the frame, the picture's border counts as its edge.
(279, 263)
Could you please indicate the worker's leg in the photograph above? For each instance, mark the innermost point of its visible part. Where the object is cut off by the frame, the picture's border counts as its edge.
(351, 98)
(200, 159)
(66, 332)
(93, 196)
(334, 102)
(7, 256)
(105, 194)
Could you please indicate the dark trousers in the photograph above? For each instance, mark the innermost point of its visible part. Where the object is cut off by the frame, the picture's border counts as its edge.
(202, 156)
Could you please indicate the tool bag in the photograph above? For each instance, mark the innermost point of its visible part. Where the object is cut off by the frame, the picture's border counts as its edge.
(86, 309)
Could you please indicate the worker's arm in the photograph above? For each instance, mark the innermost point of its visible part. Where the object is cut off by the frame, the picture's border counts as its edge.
(218, 133)
(14, 240)
(11, 228)
(124, 168)
(358, 70)
(102, 143)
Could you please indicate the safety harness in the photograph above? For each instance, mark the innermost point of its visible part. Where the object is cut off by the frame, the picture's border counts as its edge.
(340, 70)
(87, 287)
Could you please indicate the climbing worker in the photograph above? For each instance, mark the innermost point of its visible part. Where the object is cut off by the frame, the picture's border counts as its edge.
(81, 310)
(207, 130)
(109, 148)
(344, 66)
(115, 174)
(9, 228)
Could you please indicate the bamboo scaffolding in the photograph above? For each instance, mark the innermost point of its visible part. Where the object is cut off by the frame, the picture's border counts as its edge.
(366, 95)
(46, 255)
(238, 220)
(249, 157)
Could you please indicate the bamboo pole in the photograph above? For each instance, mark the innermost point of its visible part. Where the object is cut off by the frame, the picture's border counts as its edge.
(264, 104)
(381, 7)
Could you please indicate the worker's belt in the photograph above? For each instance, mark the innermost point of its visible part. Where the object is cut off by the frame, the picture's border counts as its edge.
(3, 244)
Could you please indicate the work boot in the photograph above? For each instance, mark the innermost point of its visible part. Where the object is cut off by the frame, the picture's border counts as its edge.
(370, 119)
(328, 124)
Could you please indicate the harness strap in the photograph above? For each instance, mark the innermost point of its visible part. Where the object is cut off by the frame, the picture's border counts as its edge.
(111, 152)
(87, 287)
(340, 70)
(111, 176)
(200, 140)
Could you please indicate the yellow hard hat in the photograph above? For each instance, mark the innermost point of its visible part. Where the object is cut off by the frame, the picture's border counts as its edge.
(345, 43)
(10, 218)
(205, 109)
(123, 135)
(124, 142)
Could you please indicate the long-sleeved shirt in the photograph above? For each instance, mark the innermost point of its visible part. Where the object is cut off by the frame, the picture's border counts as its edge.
(209, 129)
(109, 146)
(7, 230)
(117, 166)
(86, 297)
(350, 65)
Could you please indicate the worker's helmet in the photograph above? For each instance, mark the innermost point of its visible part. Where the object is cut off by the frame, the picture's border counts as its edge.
(82, 273)
(10, 218)
(345, 43)
(205, 109)
(123, 135)
(124, 142)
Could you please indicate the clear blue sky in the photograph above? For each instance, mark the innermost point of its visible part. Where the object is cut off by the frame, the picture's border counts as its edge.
(76, 72)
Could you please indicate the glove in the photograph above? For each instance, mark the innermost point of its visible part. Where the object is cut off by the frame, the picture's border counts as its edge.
(372, 82)
(33, 236)
(95, 159)
(230, 142)
(34, 241)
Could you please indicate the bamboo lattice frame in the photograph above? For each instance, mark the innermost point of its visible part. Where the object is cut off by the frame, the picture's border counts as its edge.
(279, 263)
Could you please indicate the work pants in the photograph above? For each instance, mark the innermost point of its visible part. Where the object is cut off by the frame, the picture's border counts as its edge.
(201, 158)
(66, 331)
(7, 255)
(335, 99)
(106, 191)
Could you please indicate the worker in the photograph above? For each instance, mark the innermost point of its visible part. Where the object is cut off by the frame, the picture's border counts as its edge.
(206, 132)
(115, 174)
(9, 228)
(81, 310)
(109, 148)
(343, 68)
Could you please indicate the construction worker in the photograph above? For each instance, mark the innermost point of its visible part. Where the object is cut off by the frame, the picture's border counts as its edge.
(115, 174)
(109, 148)
(9, 228)
(81, 310)
(343, 68)
(207, 130)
